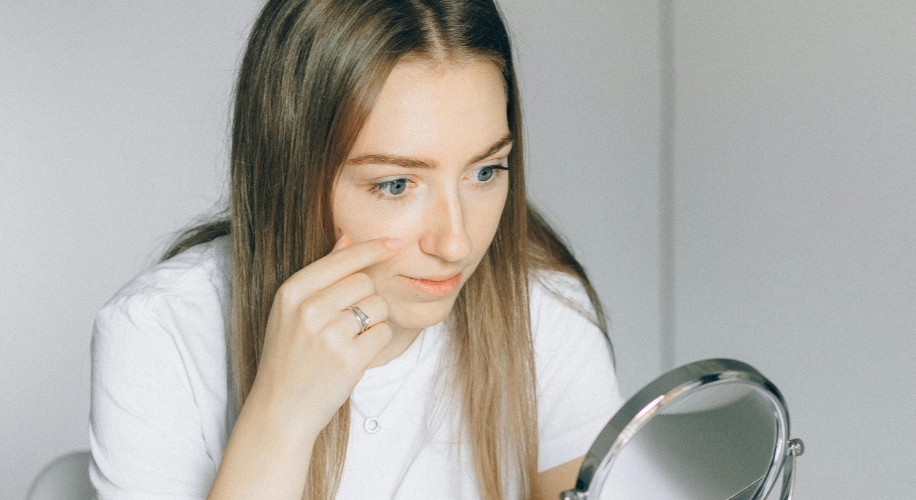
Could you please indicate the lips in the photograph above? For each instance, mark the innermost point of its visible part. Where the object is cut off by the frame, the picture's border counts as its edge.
(434, 287)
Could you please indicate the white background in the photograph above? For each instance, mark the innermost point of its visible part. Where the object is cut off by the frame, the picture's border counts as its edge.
(787, 239)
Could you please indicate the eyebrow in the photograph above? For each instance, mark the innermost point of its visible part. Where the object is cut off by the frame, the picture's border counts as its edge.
(403, 161)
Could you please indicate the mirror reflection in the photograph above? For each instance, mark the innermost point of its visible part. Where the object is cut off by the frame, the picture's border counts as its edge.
(710, 430)
(699, 448)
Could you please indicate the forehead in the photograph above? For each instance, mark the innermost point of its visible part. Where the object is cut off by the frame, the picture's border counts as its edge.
(441, 110)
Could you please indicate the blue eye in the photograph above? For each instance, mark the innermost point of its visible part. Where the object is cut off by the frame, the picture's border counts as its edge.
(392, 188)
(483, 174)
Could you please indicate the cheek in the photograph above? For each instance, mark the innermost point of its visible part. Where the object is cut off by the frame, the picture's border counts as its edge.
(371, 223)
(363, 217)
(483, 219)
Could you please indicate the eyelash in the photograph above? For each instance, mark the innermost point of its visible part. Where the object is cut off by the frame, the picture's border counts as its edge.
(496, 169)
(378, 187)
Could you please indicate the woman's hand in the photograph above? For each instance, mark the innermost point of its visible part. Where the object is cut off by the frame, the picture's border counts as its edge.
(313, 352)
(313, 356)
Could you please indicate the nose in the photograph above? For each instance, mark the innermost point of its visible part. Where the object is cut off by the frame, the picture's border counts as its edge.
(445, 234)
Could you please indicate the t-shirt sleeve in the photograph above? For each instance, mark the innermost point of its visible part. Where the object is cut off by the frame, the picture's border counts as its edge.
(576, 384)
(145, 431)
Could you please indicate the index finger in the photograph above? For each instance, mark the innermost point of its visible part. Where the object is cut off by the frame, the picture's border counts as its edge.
(342, 262)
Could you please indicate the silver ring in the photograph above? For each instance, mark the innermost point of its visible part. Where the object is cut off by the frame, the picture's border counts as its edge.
(361, 317)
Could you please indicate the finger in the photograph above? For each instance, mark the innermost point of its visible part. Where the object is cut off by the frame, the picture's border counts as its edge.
(341, 263)
(347, 322)
(324, 306)
(348, 291)
(374, 307)
(372, 342)
(339, 296)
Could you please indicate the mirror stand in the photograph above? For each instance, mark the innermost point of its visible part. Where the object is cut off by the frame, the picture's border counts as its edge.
(796, 449)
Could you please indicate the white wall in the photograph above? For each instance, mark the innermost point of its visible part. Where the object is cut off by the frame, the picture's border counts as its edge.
(113, 134)
(590, 84)
(795, 202)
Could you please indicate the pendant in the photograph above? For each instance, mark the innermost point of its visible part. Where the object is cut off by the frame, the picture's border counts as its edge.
(372, 425)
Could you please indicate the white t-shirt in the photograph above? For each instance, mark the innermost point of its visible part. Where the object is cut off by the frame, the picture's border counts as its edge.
(162, 413)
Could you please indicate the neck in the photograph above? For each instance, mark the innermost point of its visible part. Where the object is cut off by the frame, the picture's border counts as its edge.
(401, 338)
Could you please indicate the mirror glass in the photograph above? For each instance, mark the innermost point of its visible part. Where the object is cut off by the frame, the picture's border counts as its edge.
(711, 430)
(672, 456)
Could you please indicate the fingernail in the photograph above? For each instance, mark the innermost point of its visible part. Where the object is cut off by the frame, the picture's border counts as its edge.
(394, 243)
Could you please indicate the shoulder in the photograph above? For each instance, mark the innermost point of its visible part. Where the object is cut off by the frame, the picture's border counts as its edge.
(173, 315)
(574, 369)
(553, 290)
(159, 378)
(560, 307)
(564, 326)
(192, 284)
(200, 270)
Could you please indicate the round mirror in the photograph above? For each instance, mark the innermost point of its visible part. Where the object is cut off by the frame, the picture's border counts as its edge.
(711, 430)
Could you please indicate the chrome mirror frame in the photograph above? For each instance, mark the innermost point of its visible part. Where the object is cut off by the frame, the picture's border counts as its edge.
(665, 390)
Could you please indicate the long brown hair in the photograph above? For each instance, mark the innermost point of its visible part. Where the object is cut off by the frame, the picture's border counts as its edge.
(308, 80)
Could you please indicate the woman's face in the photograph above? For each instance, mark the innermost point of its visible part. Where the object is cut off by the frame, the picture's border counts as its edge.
(428, 167)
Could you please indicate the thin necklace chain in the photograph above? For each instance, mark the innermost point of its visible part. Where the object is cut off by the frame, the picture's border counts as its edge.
(372, 424)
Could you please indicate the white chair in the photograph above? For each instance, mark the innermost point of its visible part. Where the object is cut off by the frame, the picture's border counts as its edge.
(65, 478)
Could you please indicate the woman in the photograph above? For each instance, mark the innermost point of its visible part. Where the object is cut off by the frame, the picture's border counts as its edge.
(381, 315)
